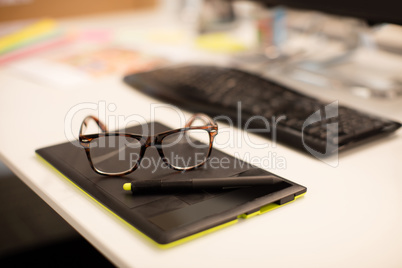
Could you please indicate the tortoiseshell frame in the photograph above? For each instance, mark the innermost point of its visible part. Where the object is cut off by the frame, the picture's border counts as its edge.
(146, 141)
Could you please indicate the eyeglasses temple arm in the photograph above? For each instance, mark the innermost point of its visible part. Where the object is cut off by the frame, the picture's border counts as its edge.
(87, 120)
(205, 118)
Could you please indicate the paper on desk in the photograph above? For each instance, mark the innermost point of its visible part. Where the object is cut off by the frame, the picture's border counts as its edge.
(34, 49)
(30, 34)
(50, 72)
(85, 67)
(110, 61)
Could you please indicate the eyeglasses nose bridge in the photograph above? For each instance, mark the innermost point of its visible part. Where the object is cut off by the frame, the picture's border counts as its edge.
(149, 141)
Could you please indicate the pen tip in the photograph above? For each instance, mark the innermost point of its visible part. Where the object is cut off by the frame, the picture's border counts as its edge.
(127, 186)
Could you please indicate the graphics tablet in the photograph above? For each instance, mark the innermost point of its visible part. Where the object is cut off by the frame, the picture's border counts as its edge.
(176, 217)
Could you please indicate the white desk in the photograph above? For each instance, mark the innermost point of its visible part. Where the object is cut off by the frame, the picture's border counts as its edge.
(350, 217)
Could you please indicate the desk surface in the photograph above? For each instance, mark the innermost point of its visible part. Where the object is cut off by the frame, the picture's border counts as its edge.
(350, 217)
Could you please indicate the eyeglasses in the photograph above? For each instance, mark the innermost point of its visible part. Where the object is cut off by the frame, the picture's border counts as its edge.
(117, 154)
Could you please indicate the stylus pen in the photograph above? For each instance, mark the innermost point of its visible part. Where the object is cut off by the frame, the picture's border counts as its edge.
(150, 186)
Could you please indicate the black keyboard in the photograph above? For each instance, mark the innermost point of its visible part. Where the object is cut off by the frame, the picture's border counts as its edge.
(262, 106)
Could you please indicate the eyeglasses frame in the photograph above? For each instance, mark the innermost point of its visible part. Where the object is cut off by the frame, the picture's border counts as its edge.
(146, 141)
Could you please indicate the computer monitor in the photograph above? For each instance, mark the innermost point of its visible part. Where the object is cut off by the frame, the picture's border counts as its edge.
(373, 11)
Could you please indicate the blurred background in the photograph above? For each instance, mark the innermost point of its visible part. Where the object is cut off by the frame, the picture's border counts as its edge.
(350, 46)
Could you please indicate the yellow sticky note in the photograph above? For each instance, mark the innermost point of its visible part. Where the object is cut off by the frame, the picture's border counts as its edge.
(219, 42)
